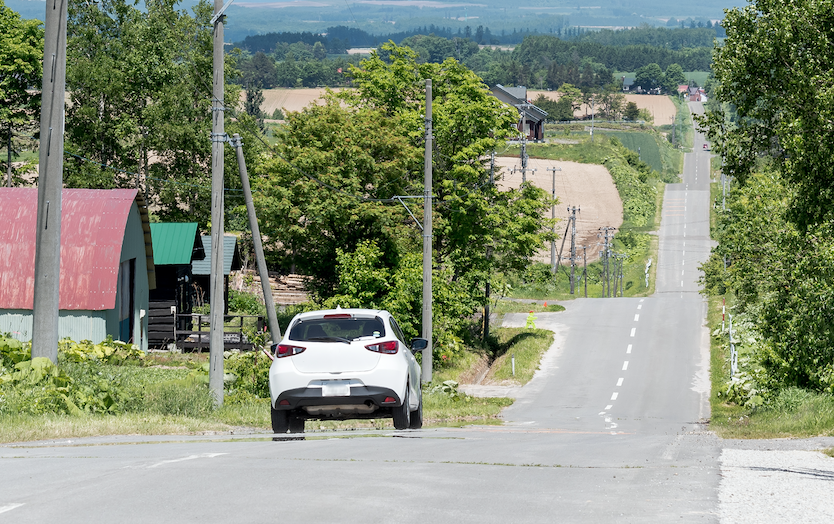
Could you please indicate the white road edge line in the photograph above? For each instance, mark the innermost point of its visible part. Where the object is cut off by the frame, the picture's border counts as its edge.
(625, 365)
(9, 507)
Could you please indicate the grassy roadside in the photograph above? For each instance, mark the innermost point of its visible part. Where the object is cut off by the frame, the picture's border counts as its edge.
(245, 413)
(791, 413)
(527, 346)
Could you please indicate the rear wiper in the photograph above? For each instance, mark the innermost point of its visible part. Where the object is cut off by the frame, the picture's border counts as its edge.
(329, 339)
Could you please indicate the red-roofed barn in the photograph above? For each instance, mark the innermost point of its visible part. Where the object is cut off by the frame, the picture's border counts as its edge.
(106, 264)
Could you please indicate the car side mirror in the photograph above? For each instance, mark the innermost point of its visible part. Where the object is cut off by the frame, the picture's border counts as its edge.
(418, 344)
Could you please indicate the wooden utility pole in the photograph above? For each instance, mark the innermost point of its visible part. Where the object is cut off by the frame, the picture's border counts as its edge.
(272, 318)
(218, 141)
(427, 241)
(50, 182)
(487, 285)
(553, 218)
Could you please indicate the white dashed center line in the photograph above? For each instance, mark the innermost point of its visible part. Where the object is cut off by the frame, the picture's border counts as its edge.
(633, 331)
(639, 306)
(619, 381)
(636, 318)
(614, 395)
(625, 365)
(628, 349)
(609, 406)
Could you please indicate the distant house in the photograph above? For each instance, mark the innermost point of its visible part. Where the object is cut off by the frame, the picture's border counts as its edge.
(176, 246)
(694, 94)
(107, 267)
(531, 118)
(683, 89)
(628, 84)
(201, 269)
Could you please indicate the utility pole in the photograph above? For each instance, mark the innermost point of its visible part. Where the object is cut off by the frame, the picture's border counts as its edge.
(272, 318)
(50, 181)
(218, 140)
(553, 218)
(523, 156)
(606, 252)
(572, 247)
(427, 240)
(487, 285)
(592, 119)
(585, 268)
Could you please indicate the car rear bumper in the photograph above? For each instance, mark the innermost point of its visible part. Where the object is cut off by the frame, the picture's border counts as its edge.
(363, 401)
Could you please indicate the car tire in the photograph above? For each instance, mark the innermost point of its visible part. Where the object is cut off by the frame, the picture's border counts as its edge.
(416, 421)
(296, 424)
(402, 414)
(280, 421)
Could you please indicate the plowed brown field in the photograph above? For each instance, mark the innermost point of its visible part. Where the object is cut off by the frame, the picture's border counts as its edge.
(660, 107)
(586, 186)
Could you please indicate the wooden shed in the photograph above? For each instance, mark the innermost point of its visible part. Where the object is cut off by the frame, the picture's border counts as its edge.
(531, 118)
(176, 246)
(201, 269)
(106, 270)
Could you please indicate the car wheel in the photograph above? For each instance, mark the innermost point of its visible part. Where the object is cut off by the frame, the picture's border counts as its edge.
(296, 424)
(280, 421)
(417, 415)
(401, 414)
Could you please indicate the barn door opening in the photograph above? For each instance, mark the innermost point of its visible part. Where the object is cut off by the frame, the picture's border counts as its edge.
(127, 280)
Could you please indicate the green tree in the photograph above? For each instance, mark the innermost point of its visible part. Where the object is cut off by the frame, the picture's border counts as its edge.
(140, 102)
(468, 123)
(673, 77)
(772, 127)
(649, 77)
(320, 191)
(631, 112)
(21, 53)
(773, 67)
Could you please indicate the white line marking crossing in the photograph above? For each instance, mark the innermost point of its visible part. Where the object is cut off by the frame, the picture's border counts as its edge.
(9, 507)
(190, 457)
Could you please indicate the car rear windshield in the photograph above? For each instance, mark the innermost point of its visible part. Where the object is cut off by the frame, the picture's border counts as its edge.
(325, 329)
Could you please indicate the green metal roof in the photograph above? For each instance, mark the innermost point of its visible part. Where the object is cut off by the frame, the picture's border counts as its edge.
(176, 243)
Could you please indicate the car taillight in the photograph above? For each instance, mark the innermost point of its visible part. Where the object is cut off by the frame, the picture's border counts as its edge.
(389, 348)
(287, 350)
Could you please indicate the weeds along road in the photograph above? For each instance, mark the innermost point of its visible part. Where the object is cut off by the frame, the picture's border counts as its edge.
(609, 430)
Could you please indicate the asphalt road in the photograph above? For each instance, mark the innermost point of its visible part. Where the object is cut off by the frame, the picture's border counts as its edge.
(611, 429)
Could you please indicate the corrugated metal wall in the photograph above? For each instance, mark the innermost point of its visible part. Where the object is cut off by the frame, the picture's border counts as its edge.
(77, 325)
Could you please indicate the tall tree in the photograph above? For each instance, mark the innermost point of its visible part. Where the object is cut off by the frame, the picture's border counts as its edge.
(139, 84)
(21, 52)
(468, 123)
(776, 69)
(320, 191)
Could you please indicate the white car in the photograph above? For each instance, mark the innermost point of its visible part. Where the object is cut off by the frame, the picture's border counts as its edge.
(345, 364)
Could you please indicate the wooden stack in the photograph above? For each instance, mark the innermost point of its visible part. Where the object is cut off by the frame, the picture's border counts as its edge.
(286, 289)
